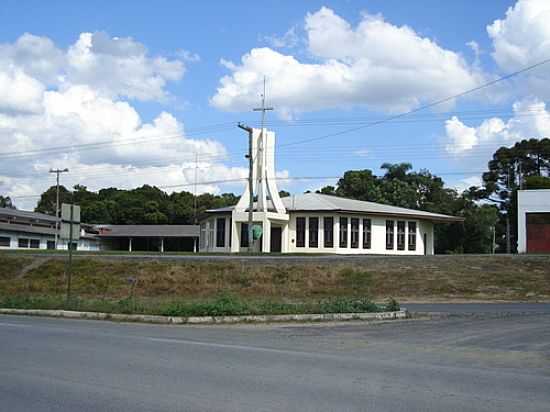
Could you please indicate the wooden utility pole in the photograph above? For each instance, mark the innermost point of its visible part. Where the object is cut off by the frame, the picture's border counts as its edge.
(195, 220)
(250, 185)
(57, 172)
(508, 240)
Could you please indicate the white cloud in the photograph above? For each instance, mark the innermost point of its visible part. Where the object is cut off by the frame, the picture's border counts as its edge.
(289, 40)
(37, 56)
(113, 66)
(188, 56)
(531, 119)
(376, 64)
(73, 100)
(521, 39)
(467, 182)
(19, 92)
(120, 67)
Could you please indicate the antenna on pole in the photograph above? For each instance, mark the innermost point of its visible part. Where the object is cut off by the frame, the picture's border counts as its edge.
(263, 109)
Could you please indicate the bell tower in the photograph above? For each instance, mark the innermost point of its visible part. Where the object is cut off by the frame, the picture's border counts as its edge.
(263, 175)
(268, 210)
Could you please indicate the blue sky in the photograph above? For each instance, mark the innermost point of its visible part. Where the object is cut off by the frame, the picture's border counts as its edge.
(331, 66)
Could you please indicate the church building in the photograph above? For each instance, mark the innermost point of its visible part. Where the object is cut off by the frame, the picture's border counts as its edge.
(312, 222)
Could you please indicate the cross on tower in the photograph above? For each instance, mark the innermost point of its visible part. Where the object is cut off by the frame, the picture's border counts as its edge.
(263, 109)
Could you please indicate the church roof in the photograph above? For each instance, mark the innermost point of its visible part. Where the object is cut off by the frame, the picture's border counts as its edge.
(316, 202)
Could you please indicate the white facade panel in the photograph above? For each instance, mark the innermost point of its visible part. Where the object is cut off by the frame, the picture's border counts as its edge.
(29, 241)
(530, 201)
(378, 236)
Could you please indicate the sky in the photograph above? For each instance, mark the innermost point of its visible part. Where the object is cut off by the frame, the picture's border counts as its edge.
(129, 93)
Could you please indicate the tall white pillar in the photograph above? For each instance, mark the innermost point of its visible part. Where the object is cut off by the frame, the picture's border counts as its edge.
(266, 236)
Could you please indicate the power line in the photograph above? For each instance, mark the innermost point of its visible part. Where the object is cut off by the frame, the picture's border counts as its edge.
(243, 179)
(108, 143)
(424, 107)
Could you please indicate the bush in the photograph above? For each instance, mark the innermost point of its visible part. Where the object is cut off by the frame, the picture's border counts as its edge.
(223, 305)
(392, 305)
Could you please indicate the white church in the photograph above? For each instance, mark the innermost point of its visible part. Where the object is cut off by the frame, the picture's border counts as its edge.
(312, 222)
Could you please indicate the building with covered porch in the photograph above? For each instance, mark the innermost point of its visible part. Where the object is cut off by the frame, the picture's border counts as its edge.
(149, 238)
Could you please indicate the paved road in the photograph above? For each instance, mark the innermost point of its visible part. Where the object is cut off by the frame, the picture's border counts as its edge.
(484, 309)
(461, 363)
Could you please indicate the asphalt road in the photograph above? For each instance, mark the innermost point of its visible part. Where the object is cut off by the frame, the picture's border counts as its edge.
(460, 363)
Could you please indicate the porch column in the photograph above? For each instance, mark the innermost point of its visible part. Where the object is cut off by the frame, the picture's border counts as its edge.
(235, 236)
(130, 244)
(266, 236)
(161, 245)
(284, 237)
(336, 231)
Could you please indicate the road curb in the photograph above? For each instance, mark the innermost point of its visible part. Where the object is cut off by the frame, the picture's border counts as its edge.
(208, 320)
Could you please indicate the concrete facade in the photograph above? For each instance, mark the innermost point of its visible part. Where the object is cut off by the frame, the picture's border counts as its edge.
(531, 202)
(29, 230)
(423, 235)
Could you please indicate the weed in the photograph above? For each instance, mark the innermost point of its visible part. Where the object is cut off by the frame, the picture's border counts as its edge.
(358, 280)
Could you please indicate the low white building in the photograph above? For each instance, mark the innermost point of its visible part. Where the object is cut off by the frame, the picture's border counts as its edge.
(312, 222)
(534, 221)
(21, 229)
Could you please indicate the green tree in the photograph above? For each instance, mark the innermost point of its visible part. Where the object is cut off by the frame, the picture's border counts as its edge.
(327, 190)
(509, 167)
(46, 204)
(5, 201)
(537, 182)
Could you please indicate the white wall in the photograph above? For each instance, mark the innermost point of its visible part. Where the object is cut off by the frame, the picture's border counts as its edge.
(208, 232)
(378, 235)
(530, 201)
(83, 244)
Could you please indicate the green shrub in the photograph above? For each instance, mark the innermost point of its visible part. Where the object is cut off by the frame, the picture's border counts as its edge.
(392, 305)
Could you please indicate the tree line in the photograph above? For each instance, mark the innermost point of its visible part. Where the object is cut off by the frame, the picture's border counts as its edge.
(489, 211)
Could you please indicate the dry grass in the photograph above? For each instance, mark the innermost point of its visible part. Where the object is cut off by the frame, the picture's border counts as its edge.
(406, 279)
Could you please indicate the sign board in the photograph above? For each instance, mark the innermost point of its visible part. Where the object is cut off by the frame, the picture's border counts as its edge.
(257, 232)
(69, 220)
(66, 213)
(65, 231)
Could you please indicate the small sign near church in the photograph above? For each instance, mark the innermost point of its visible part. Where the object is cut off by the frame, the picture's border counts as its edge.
(70, 216)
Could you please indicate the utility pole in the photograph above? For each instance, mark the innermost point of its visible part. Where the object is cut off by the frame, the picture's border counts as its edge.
(508, 240)
(57, 172)
(520, 175)
(195, 188)
(250, 185)
(493, 248)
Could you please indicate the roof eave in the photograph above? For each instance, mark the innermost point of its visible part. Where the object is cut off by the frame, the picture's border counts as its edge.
(442, 218)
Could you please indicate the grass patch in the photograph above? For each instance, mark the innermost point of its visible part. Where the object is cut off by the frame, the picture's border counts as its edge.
(223, 305)
(166, 283)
